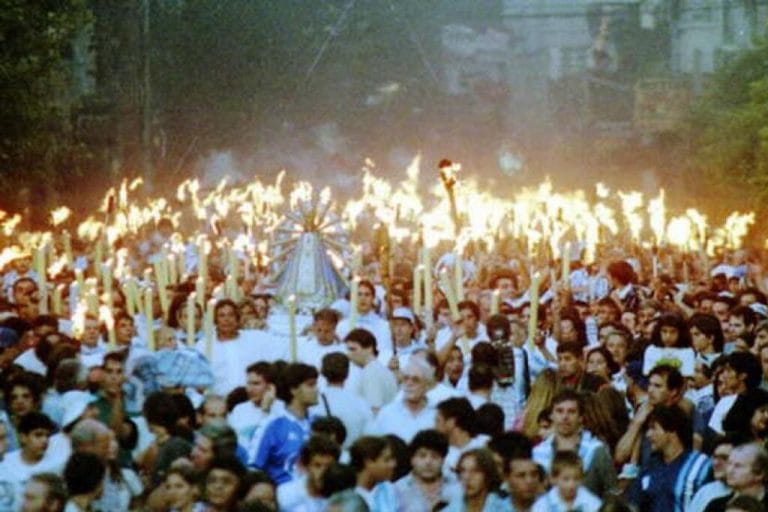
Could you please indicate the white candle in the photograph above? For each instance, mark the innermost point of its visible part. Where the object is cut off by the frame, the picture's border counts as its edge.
(200, 291)
(57, 304)
(209, 327)
(566, 259)
(353, 299)
(495, 300)
(149, 319)
(191, 320)
(459, 269)
(533, 318)
(42, 281)
(418, 270)
(428, 298)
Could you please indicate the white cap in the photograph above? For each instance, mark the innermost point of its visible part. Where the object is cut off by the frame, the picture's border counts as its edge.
(74, 404)
(404, 314)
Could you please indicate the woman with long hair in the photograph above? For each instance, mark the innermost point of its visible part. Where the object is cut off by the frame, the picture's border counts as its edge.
(543, 389)
(605, 415)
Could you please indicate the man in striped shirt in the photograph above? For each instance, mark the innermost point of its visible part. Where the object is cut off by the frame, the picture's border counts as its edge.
(669, 481)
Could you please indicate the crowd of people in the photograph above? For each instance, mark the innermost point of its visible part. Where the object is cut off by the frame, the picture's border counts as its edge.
(630, 393)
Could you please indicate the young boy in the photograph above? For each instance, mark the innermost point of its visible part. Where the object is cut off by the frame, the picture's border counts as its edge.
(567, 492)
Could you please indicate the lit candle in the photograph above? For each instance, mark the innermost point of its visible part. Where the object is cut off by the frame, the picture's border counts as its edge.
(428, 299)
(655, 263)
(459, 269)
(161, 277)
(42, 279)
(191, 320)
(149, 318)
(97, 258)
(173, 271)
(200, 291)
(450, 295)
(58, 292)
(202, 263)
(74, 297)
(209, 326)
(66, 240)
(181, 259)
(495, 300)
(418, 270)
(686, 273)
(533, 318)
(107, 284)
(92, 296)
(129, 306)
(292, 327)
(353, 299)
(233, 263)
(566, 259)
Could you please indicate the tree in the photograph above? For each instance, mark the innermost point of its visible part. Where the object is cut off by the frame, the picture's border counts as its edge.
(35, 90)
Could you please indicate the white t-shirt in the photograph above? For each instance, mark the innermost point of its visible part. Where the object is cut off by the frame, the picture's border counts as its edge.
(353, 411)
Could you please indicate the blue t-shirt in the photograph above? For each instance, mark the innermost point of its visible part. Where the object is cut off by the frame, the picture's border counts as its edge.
(670, 487)
(280, 444)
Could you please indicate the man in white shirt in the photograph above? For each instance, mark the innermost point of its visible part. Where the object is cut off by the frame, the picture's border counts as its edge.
(456, 420)
(303, 494)
(376, 384)
(406, 416)
(34, 431)
(323, 339)
(92, 349)
(335, 400)
(465, 334)
(249, 416)
(368, 319)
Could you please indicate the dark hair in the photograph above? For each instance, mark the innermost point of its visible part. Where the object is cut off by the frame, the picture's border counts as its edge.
(502, 274)
(362, 337)
(485, 353)
(571, 347)
(566, 459)
(338, 478)
(294, 376)
(335, 367)
(613, 366)
(568, 395)
(35, 420)
(232, 465)
(460, 410)
(327, 315)
(671, 320)
(673, 419)
(318, 445)
(710, 327)
(484, 459)
(431, 440)
(745, 313)
(748, 364)
(223, 303)
(368, 284)
(470, 305)
(490, 419)
(115, 357)
(402, 456)
(160, 409)
(480, 376)
(262, 368)
(497, 327)
(32, 382)
(331, 427)
(511, 446)
(83, 473)
(366, 448)
(672, 376)
(621, 271)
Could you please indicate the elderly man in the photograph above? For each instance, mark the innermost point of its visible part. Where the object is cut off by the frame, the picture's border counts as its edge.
(406, 416)
(746, 475)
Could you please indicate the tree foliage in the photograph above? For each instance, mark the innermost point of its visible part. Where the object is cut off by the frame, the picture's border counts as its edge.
(728, 128)
(35, 89)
